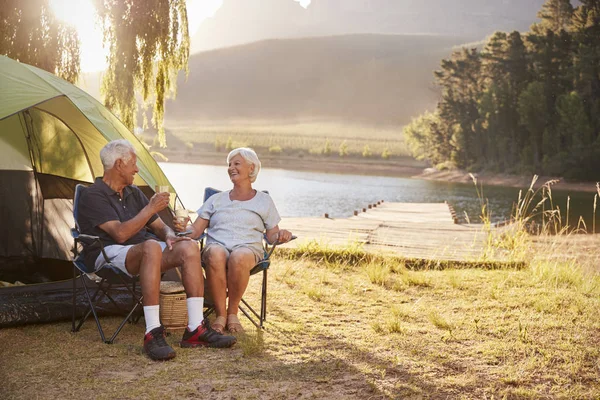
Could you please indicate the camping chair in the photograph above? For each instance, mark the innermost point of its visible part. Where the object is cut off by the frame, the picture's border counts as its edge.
(261, 266)
(104, 280)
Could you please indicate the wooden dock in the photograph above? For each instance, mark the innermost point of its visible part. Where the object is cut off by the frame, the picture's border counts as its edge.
(413, 230)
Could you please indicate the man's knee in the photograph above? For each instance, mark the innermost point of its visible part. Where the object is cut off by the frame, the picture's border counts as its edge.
(187, 250)
(151, 248)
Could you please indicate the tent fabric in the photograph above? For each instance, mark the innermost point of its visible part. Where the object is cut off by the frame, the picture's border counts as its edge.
(14, 151)
(51, 134)
(23, 86)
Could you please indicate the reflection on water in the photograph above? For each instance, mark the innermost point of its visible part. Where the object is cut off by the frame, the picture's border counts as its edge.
(299, 193)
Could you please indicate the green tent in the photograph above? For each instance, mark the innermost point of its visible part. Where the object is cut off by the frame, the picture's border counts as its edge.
(51, 133)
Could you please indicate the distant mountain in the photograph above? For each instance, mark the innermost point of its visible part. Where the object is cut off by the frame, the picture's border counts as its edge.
(375, 79)
(245, 21)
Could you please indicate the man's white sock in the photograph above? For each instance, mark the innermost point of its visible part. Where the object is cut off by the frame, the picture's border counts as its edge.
(152, 317)
(195, 307)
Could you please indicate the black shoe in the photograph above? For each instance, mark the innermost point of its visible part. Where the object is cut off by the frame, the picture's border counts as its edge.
(206, 336)
(156, 346)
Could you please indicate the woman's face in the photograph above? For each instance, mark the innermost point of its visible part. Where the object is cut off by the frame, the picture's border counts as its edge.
(239, 169)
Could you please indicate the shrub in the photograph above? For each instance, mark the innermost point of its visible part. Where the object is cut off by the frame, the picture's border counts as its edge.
(229, 144)
(276, 149)
(386, 153)
(327, 147)
(343, 150)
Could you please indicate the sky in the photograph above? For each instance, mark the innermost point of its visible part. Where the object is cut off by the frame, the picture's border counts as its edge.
(79, 13)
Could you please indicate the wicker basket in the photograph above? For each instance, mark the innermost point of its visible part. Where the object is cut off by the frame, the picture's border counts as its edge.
(173, 307)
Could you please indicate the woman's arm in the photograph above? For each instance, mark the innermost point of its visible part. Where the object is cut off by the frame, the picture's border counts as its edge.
(197, 228)
(278, 235)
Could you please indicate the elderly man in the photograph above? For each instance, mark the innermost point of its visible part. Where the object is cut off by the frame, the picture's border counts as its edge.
(120, 214)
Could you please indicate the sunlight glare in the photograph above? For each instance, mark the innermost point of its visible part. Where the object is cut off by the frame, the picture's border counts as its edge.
(303, 3)
(199, 10)
(82, 15)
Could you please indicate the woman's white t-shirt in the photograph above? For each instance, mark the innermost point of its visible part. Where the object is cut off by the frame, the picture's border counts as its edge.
(235, 223)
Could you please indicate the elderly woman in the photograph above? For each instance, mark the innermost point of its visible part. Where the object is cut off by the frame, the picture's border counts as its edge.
(236, 220)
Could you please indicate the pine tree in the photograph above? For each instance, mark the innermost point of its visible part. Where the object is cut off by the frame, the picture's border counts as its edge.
(459, 78)
(555, 15)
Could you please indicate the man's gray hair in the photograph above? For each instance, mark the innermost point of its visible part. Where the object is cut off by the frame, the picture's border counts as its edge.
(115, 150)
(250, 156)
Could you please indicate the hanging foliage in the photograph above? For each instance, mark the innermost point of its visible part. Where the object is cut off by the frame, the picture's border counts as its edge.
(30, 33)
(148, 44)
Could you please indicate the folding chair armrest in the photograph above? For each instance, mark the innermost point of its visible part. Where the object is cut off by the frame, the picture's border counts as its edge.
(88, 240)
(272, 249)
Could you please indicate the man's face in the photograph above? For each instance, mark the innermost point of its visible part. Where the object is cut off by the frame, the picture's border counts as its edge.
(128, 169)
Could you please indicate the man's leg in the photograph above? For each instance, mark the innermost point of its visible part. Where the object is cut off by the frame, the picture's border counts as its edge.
(198, 333)
(145, 260)
(187, 255)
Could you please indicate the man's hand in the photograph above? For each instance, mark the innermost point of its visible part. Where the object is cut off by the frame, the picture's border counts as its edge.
(171, 239)
(159, 202)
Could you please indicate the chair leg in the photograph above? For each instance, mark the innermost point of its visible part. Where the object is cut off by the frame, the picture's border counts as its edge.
(93, 310)
(248, 315)
(263, 299)
(123, 322)
(74, 299)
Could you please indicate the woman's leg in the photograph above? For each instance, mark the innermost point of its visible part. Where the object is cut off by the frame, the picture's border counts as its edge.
(215, 265)
(239, 265)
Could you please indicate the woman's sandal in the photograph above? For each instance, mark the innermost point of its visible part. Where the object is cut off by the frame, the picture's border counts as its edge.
(233, 324)
(219, 325)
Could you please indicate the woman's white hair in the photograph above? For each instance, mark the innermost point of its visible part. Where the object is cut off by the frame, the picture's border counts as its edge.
(115, 150)
(250, 156)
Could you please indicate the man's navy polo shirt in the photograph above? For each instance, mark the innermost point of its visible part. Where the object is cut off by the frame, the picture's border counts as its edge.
(98, 204)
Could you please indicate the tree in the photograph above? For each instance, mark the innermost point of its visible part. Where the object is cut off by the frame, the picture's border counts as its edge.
(576, 137)
(586, 31)
(425, 139)
(534, 116)
(149, 44)
(30, 33)
(460, 79)
(555, 15)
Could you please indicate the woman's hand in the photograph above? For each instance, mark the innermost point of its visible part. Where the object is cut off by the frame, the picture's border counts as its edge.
(180, 224)
(284, 236)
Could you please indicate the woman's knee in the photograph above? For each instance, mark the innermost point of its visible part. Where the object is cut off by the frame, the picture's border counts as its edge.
(215, 257)
(241, 258)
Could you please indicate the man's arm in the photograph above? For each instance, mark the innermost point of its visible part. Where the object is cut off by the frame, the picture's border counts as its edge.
(165, 233)
(162, 230)
(123, 231)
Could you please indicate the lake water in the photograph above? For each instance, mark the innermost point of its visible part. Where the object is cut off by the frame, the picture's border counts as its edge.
(299, 193)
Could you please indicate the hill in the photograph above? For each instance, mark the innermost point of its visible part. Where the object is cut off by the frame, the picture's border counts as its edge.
(245, 21)
(381, 79)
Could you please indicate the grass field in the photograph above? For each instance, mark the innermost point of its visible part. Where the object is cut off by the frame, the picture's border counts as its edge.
(348, 326)
(290, 138)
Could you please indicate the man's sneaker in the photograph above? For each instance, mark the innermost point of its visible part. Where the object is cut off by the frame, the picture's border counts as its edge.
(206, 336)
(156, 346)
